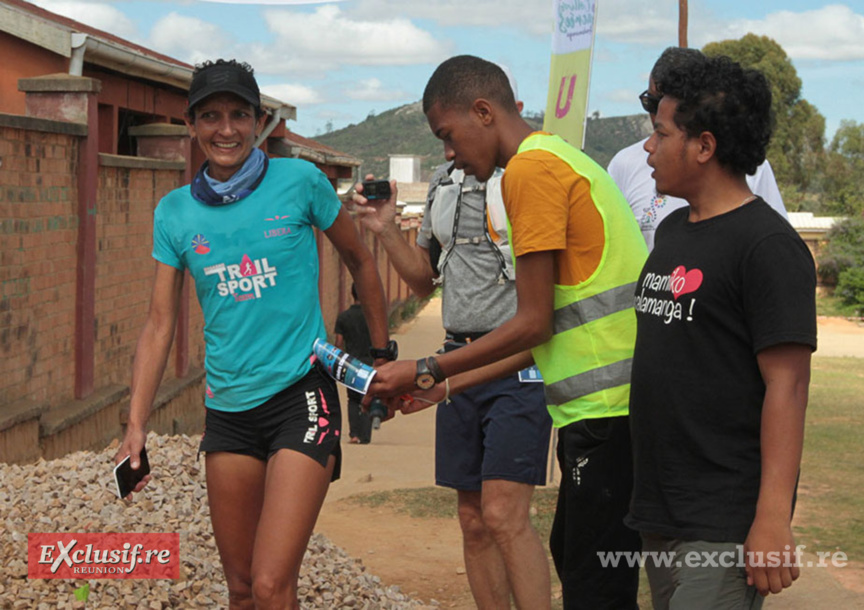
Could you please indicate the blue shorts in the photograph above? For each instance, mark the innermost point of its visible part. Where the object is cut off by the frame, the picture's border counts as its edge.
(304, 417)
(497, 430)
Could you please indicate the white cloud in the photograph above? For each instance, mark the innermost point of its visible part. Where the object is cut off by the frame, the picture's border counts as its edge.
(373, 90)
(533, 16)
(297, 95)
(833, 32)
(191, 39)
(294, 2)
(328, 38)
(638, 22)
(98, 15)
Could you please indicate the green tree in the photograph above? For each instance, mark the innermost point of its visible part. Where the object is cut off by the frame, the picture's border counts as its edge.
(843, 251)
(850, 288)
(844, 169)
(796, 151)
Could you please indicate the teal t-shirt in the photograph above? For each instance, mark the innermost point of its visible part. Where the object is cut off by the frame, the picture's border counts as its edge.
(255, 266)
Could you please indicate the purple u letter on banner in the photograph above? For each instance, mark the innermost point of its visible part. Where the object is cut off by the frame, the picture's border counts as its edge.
(559, 111)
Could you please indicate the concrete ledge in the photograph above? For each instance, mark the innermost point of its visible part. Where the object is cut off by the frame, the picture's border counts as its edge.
(163, 141)
(107, 160)
(167, 392)
(172, 389)
(65, 416)
(159, 129)
(20, 443)
(27, 123)
(19, 412)
(59, 83)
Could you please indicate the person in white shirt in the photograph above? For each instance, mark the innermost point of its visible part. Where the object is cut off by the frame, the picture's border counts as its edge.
(630, 171)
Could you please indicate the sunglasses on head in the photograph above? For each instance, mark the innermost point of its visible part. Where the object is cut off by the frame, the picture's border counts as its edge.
(649, 101)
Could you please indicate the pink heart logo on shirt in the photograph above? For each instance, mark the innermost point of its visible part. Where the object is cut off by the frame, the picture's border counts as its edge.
(683, 281)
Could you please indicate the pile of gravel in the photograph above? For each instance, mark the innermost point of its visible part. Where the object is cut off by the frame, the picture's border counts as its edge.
(75, 494)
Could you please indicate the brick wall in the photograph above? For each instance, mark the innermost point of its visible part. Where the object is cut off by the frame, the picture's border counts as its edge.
(38, 231)
(124, 267)
(196, 327)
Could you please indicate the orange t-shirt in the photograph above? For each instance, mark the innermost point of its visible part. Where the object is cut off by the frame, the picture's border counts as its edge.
(550, 208)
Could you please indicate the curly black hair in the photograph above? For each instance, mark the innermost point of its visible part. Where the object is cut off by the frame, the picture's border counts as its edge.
(718, 95)
(675, 58)
(460, 80)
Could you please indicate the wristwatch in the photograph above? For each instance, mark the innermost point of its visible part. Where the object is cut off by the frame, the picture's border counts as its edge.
(423, 379)
(428, 373)
(390, 352)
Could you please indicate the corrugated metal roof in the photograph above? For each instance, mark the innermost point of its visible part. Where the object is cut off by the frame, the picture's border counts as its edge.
(806, 221)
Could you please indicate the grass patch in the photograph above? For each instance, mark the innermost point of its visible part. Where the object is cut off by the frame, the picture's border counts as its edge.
(830, 305)
(831, 490)
(424, 502)
(438, 502)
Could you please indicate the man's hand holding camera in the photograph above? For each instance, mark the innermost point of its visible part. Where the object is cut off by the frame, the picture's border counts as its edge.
(375, 204)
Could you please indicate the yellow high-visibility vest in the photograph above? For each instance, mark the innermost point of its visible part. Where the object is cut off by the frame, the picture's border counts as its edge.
(586, 363)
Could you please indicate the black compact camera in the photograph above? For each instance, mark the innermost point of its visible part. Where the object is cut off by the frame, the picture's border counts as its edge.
(376, 189)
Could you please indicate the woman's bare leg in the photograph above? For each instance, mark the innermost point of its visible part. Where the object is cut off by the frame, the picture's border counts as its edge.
(294, 492)
(235, 490)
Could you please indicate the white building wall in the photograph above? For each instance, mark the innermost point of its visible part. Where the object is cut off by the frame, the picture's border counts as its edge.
(405, 168)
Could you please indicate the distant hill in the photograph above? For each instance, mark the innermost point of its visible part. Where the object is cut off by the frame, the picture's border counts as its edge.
(606, 136)
(404, 130)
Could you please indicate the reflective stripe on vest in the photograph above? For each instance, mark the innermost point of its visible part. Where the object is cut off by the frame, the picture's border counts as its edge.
(593, 308)
(589, 382)
(586, 364)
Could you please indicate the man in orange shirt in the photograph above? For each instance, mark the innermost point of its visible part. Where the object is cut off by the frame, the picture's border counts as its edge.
(578, 253)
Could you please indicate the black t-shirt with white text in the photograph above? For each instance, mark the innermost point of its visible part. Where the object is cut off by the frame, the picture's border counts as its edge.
(711, 296)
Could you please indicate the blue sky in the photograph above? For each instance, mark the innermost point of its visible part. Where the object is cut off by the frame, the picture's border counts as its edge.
(338, 61)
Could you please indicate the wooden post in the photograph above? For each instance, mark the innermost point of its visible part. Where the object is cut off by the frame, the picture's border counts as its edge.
(682, 24)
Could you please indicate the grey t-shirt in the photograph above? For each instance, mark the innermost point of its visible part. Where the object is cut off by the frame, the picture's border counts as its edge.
(472, 298)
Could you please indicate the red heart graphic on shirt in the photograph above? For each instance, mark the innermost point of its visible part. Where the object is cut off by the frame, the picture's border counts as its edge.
(683, 281)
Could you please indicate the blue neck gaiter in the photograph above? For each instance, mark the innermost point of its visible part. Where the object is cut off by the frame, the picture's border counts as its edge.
(212, 192)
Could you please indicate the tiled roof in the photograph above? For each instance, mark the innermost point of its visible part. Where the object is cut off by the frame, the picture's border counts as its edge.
(313, 144)
(294, 145)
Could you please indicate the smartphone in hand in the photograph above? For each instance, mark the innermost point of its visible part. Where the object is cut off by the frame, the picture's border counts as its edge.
(126, 478)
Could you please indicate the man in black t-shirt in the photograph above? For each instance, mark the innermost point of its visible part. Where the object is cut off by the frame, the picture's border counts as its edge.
(352, 336)
(726, 327)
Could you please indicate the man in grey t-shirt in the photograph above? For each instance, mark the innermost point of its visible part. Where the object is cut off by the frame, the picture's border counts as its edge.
(492, 440)
(474, 274)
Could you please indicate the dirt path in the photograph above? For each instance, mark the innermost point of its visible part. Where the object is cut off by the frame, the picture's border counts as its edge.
(840, 337)
(424, 556)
